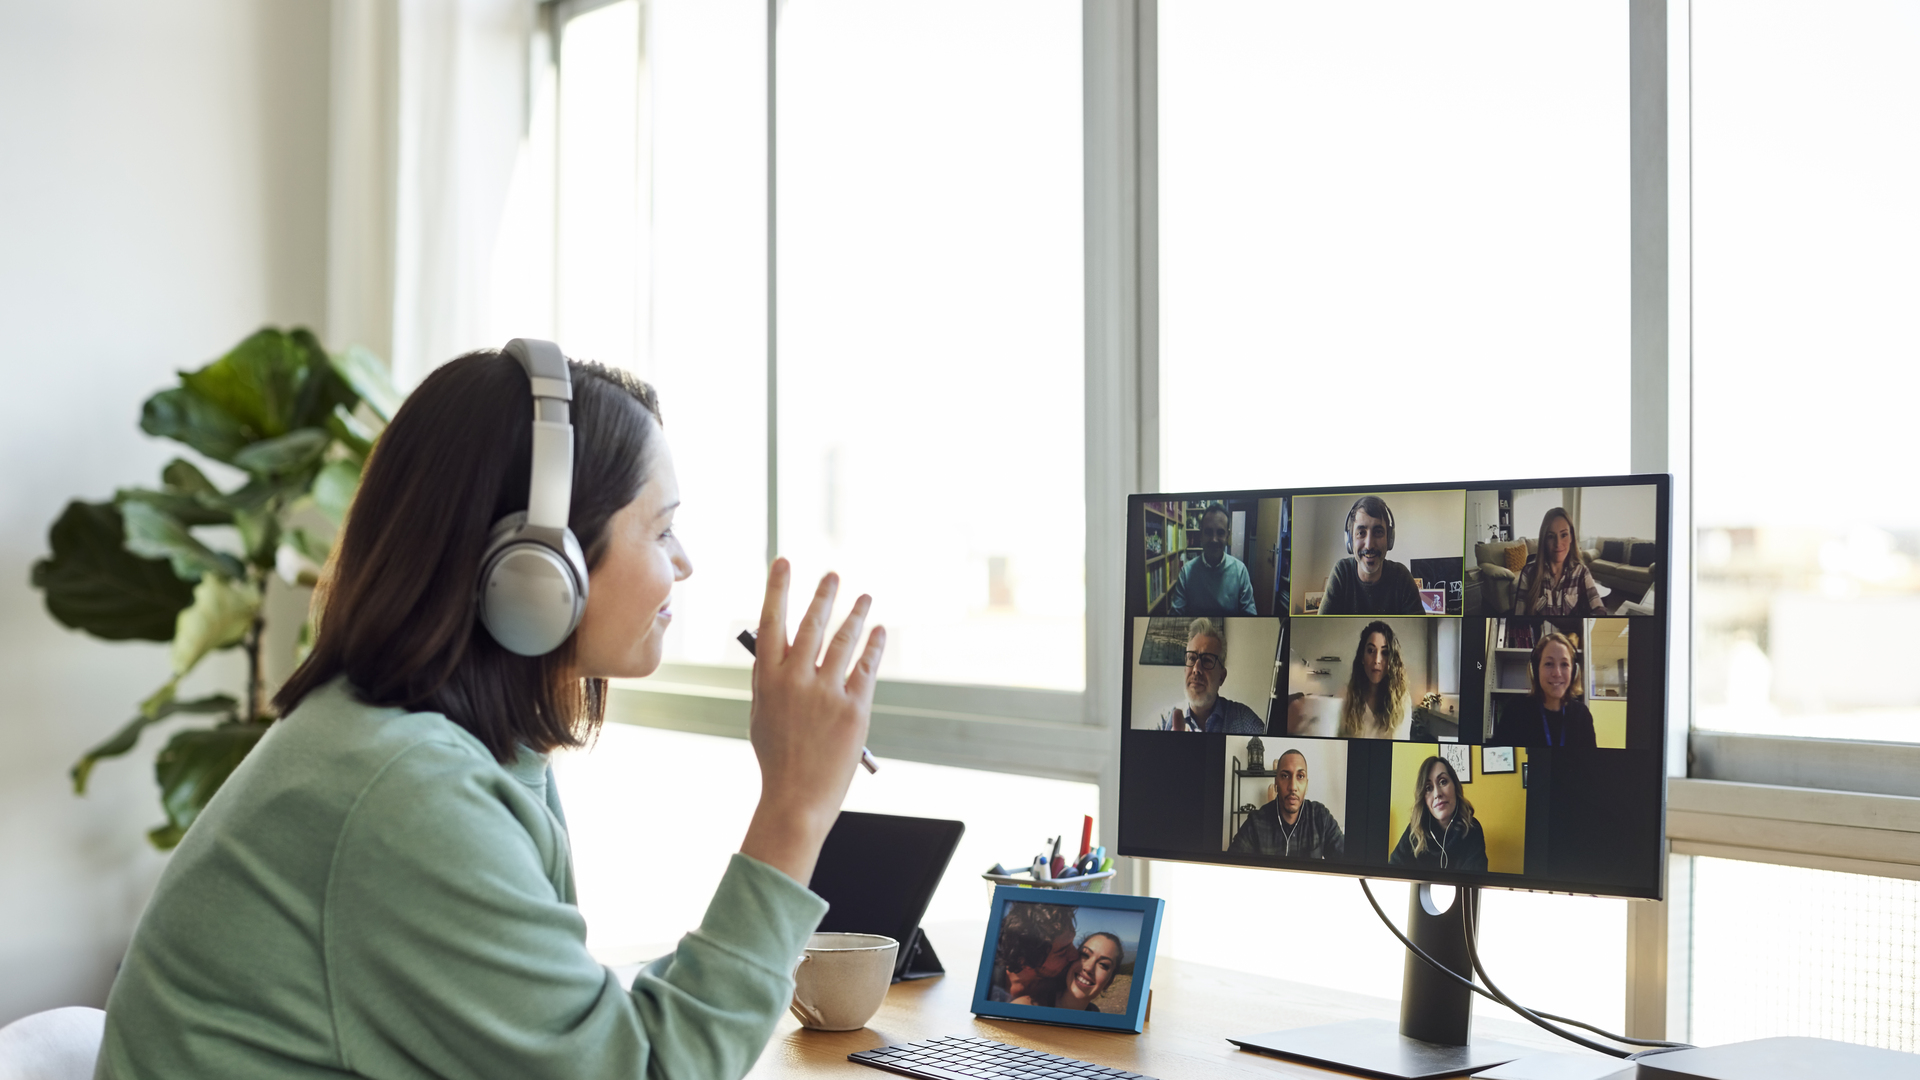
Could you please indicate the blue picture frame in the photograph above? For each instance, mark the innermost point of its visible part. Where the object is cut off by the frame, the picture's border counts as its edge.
(1109, 913)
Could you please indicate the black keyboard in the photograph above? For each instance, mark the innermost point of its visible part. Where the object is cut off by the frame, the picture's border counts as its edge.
(955, 1058)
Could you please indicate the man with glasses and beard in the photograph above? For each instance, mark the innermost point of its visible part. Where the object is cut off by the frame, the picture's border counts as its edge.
(1205, 709)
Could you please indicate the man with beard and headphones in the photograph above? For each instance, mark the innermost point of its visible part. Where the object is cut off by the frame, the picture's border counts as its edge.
(1366, 582)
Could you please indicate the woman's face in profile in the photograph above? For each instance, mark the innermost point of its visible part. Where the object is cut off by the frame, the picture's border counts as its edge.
(1441, 797)
(1556, 671)
(629, 595)
(1093, 972)
(1373, 657)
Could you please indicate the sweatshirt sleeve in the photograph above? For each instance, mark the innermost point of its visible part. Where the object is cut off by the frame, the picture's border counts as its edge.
(450, 951)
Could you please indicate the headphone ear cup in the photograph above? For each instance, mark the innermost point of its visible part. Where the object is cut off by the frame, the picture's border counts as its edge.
(533, 590)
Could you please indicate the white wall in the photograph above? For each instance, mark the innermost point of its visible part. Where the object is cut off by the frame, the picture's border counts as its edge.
(1530, 505)
(1251, 645)
(1426, 525)
(1618, 511)
(163, 195)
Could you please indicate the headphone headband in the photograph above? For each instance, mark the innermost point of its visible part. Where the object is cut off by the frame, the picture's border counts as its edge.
(1355, 509)
(550, 487)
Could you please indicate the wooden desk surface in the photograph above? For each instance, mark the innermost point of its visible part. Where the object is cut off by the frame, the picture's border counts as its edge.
(1195, 1008)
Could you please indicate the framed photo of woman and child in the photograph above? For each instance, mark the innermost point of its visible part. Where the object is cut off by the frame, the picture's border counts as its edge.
(1078, 959)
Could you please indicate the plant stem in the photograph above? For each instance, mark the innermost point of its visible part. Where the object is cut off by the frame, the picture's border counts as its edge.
(252, 645)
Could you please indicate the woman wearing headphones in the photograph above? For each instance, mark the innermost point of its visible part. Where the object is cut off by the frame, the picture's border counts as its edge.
(384, 887)
(1551, 714)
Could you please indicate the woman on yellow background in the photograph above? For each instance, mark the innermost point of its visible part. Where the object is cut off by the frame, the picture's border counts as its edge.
(1556, 582)
(1441, 832)
(1377, 706)
(1551, 715)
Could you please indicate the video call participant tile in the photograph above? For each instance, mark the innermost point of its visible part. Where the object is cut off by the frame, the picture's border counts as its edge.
(1203, 674)
(1355, 678)
(1561, 682)
(1292, 806)
(1377, 553)
(1213, 557)
(1448, 810)
(1598, 547)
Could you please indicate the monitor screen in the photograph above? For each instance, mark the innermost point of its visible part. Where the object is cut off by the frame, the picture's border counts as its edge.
(1461, 683)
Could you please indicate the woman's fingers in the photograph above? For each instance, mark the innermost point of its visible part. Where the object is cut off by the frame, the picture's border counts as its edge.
(867, 671)
(840, 649)
(771, 646)
(813, 625)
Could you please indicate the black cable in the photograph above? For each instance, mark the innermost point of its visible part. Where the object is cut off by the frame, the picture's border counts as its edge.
(1537, 1017)
(1454, 975)
(1473, 957)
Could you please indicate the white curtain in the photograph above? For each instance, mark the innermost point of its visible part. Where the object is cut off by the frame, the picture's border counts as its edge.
(429, 106)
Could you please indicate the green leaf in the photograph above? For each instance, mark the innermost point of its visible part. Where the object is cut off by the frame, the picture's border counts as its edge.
(268, 494)
(123, 740)
(183, 416)
(222, 612)
(334, 488)
(286, 454)
(186, 509)
(323, 390)
(310, 547)
(352, 434)
(260, 532)
(94, 583)
(155, 535)
(369, 378)
(259, 383)
(192, 768)
(182, 477)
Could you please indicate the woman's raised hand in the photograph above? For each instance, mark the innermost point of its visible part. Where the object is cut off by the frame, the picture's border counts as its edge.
(809, 720)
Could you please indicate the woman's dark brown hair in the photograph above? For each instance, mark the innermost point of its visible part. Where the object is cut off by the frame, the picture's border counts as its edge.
(397, 608)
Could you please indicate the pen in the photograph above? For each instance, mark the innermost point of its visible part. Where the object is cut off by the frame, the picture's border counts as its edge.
(747, 639)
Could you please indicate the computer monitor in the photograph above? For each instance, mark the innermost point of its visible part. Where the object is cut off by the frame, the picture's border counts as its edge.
(1459, 683)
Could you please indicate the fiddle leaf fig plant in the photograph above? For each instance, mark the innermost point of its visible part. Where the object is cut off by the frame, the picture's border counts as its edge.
(188, 562)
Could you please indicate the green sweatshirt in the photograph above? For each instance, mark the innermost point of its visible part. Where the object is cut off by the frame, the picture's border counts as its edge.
(371, 894)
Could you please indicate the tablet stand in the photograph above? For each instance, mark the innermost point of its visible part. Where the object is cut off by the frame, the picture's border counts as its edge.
(916, 959)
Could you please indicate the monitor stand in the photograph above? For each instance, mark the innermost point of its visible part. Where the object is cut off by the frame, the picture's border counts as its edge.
(1436, 1013)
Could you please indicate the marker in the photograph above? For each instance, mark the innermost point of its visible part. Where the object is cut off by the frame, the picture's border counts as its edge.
(1086, 835)
(747, 640)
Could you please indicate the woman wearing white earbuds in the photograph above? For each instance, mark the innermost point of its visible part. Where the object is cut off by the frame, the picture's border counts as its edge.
(384, 887)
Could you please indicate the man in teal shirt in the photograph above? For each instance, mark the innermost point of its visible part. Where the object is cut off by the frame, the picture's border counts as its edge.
(1216, 583)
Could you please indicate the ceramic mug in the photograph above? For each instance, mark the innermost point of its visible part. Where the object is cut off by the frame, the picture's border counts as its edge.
(842, 980)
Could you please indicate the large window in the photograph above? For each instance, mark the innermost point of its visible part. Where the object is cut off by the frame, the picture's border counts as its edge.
(1805, 155)
(1393, 242)
(1807, 360)
(930, 350)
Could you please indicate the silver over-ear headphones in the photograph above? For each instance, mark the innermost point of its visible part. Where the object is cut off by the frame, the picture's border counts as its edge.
(533, 576)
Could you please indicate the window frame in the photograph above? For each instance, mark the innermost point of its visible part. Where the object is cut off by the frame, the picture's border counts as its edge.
(1827, 804)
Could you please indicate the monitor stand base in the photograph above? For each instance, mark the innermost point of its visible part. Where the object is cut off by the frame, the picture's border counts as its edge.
(1376, 1048)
